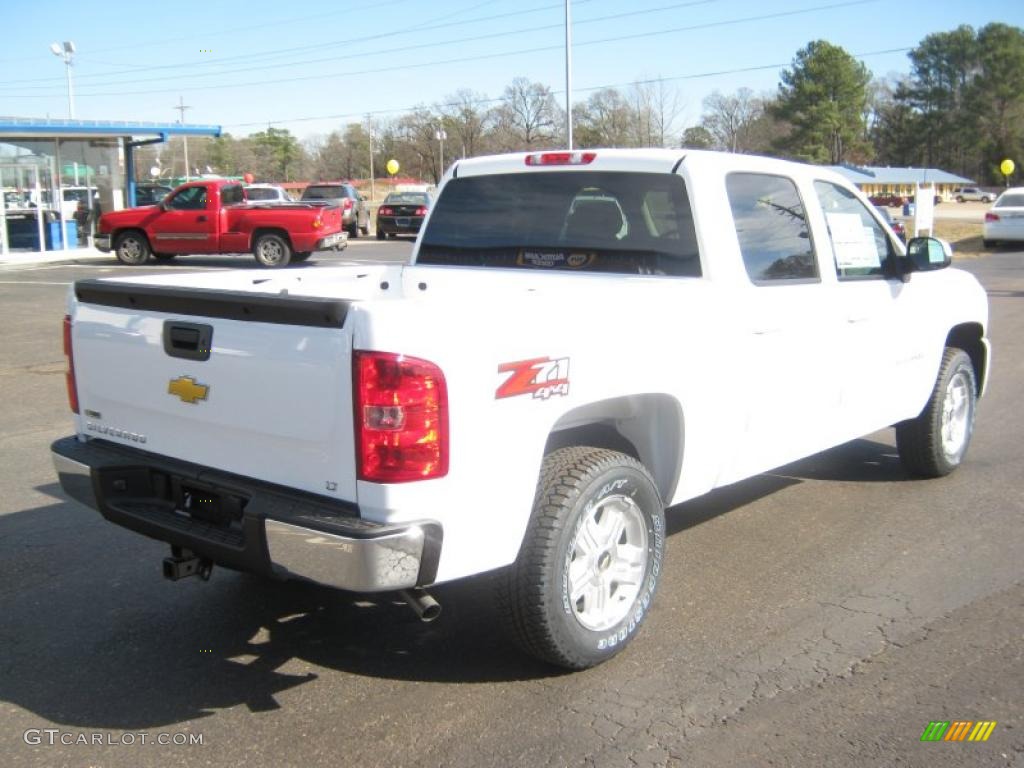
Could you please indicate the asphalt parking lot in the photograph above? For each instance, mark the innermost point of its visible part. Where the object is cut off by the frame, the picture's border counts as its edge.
(821, 614)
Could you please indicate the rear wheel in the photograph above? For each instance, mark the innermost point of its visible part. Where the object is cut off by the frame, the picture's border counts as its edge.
(589, 564)
(380, 234)
(132, 248)
(353, 229)
(272, 250)
(935, 443)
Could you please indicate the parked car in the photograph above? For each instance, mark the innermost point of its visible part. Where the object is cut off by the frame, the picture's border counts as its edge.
(402, 213)
(892, 201)
(266, 193)
(896, 226)
(972, 194)
(355, 215)
(150, 194)
(1005, 220)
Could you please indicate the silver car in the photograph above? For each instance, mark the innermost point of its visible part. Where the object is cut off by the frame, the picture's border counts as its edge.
(355, 214)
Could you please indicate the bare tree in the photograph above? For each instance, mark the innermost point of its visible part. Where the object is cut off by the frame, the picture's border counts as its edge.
(604, 120)
(467, 120)
(728, 118)
(528, 118)
(665, 106)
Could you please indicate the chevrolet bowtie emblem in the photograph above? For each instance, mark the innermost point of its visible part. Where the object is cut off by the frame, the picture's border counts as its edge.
(188, 389)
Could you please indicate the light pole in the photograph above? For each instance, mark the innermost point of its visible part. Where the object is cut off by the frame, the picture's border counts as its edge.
(66, 51)
(441, 136)
(184, 138)
(568, 75)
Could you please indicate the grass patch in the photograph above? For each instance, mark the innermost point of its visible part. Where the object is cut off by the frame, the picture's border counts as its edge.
(964, 236)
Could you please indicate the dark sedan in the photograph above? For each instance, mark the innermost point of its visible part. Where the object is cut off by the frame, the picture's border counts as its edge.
(401, 213)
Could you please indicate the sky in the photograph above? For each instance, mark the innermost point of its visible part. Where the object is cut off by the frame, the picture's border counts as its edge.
(315, 67)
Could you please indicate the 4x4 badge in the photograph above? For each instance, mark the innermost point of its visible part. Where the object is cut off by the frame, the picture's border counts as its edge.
(188, 389)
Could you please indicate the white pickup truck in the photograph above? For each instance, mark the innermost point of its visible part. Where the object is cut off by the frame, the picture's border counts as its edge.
(580, 340)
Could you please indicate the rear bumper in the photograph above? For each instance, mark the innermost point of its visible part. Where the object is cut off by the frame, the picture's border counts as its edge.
(338, 241)
(405, 225)
(256, 527)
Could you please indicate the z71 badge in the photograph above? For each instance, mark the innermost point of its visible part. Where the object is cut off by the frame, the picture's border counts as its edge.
(541, 377)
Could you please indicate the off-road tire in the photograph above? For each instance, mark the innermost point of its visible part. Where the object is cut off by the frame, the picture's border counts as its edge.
(533, 595)
(935, 443)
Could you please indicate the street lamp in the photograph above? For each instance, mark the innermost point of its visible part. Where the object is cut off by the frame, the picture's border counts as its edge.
(568, 75)
(66, 51)
(441, 136)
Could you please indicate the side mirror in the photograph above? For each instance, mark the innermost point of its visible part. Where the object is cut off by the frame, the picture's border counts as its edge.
(927, 254)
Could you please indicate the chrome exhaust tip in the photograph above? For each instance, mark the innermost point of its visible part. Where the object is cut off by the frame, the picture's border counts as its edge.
(424, 606)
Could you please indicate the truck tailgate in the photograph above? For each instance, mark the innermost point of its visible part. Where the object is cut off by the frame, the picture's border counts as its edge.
(252, 383)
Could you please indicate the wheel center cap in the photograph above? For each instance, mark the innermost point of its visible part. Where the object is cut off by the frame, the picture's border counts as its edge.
(604, 561)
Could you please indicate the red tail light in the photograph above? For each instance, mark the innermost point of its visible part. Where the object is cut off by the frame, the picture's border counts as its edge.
(421, 211)
(347, 203)
(991, 216)
(561, 158)
(69, 376)
(385, 211)
(401, 418)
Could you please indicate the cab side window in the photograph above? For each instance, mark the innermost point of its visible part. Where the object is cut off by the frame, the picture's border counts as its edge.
(860, 245)
(189, 199)
(771, 226)
(230, 195)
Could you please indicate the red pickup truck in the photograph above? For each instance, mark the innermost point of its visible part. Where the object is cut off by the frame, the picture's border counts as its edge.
(213, 216)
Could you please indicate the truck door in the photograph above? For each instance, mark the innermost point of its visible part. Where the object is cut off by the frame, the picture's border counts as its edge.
(188, 222)
(791, 395)
(883, 358)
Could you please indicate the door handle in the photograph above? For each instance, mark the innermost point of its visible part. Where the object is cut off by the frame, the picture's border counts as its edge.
(200, 218)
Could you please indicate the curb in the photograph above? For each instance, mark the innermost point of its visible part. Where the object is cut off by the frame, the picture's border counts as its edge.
(30, 261)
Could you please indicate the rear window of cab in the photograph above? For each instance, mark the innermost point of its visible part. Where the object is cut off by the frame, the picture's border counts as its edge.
(592, 221)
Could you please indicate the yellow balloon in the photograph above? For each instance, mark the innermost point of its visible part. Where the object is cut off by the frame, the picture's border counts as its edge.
(1007, 166)
(393, 167)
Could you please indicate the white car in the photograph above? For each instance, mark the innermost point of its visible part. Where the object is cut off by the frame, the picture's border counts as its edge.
(580, 340)
(266, 193)
(1004, 222)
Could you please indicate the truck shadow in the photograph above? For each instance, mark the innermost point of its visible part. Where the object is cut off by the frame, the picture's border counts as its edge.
(94, 637)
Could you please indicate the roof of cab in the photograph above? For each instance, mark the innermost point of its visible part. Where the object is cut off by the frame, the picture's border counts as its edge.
(637, 160)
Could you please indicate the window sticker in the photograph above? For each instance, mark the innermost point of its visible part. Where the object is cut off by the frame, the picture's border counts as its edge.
(854, 244)
(554, 259)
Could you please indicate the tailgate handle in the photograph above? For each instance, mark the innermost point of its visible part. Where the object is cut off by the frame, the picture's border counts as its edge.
(191, 341)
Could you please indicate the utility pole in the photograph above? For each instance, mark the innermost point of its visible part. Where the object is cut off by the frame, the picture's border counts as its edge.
(184, 139)
(369, 130)
(568, 75)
